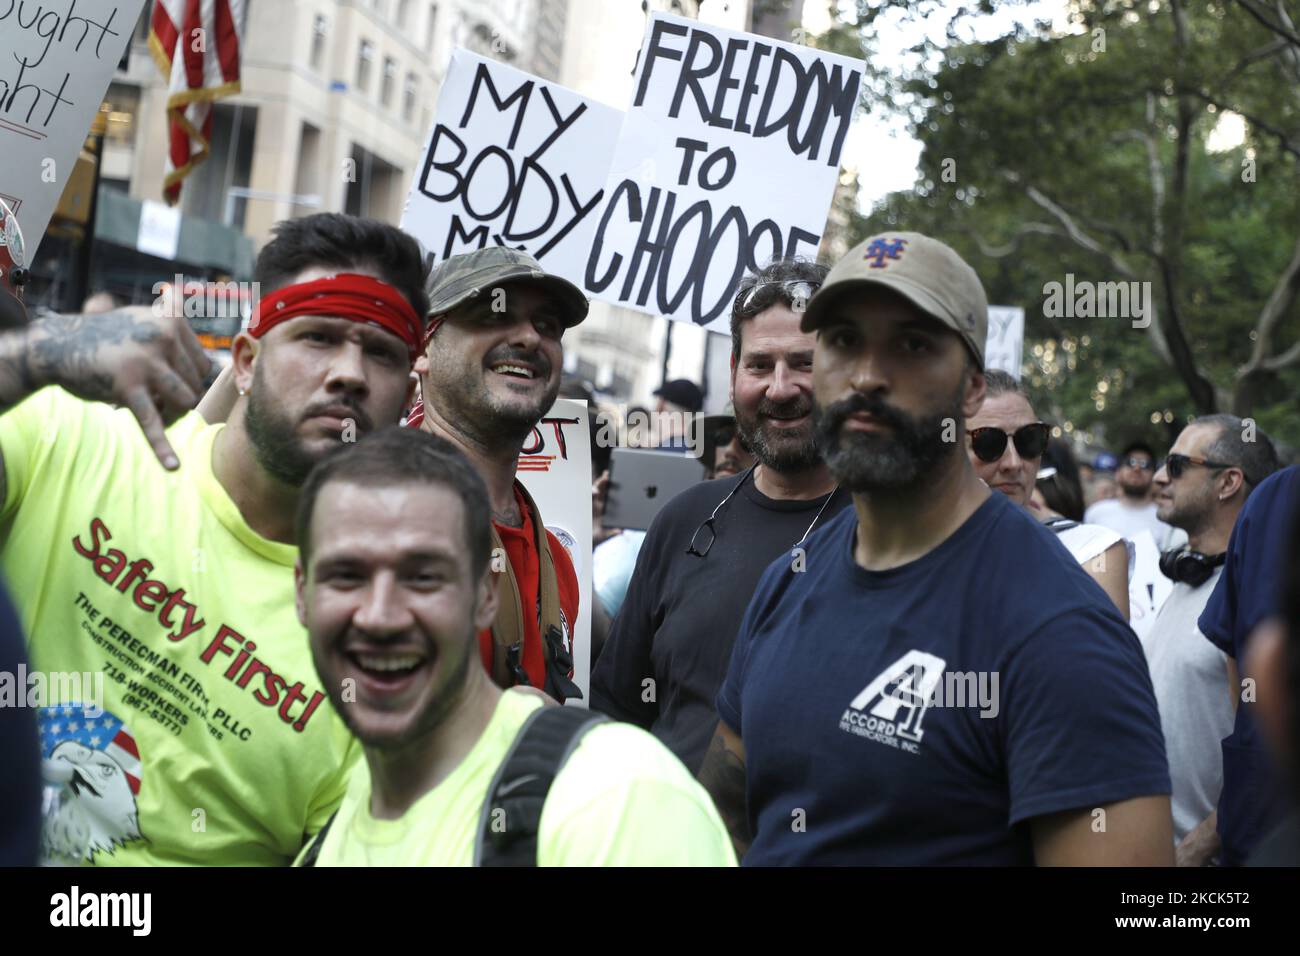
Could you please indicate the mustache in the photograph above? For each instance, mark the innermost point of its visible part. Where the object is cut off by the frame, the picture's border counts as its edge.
(835, 414)
(356, 412)
(791, 408)
(521, 356)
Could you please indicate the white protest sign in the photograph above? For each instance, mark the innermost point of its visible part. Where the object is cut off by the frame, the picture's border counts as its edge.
(160, 230)
(1147, 586)
(1006, 341)
(56, 59)
(555, 467)
(513, 160)
(728, 156)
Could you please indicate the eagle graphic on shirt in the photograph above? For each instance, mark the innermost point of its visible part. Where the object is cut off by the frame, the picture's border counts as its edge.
(91, 769)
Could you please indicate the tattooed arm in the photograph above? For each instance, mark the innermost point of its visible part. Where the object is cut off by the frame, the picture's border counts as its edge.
(723, 775)
(151, 364)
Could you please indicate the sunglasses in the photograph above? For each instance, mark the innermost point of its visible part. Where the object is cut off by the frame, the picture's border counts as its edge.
(1141, 464)
(1030, 441)
(1176, 464)
(762, 294)
(700, 546)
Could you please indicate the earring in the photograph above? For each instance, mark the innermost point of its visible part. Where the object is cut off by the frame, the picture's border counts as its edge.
(243, 391)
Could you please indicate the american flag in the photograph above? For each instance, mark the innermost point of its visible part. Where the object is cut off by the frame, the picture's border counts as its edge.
(95, 730)
(196, 44)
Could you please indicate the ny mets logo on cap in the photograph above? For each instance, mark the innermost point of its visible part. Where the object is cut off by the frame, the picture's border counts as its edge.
(882, 249)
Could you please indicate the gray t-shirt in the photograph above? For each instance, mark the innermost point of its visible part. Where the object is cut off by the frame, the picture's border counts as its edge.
(1190, 678)
(1131, 521)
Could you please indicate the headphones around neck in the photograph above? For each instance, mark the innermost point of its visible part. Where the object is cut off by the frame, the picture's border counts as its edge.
(1186, 566)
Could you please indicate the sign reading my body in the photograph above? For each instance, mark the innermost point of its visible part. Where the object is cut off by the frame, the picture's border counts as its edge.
(443, 180)
(182, 618)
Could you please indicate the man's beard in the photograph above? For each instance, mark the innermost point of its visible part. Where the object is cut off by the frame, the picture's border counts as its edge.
(276, 443)
(1136, 493)
(467, 404)
(905, 459)
(781, 451)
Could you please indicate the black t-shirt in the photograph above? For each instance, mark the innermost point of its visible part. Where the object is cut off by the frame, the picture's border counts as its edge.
(669, 647)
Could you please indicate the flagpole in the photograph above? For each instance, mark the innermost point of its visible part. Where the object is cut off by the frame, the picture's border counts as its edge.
(81, 290)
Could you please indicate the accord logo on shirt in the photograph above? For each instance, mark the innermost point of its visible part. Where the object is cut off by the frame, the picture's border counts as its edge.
(889, 710)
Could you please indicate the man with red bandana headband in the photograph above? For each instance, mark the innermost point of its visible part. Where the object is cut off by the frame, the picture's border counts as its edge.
(490, 371)
(198, 732)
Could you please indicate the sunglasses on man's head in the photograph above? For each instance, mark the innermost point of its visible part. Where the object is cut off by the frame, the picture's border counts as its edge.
(989, 443)
(762, 295)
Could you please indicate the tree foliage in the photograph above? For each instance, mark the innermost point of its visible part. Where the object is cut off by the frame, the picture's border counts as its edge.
(1099, 151)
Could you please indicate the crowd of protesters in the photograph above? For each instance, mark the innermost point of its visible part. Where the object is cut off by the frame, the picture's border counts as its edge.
(322, 622)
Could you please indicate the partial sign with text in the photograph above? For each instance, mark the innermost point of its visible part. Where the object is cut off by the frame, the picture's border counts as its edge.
(728, 156)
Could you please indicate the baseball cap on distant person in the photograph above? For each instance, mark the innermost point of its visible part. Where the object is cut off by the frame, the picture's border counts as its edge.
(926, 272)
(683, 393)
(456, 280)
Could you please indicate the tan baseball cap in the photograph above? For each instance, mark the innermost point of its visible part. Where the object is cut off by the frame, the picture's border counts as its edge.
(925, 271)
(456, 280)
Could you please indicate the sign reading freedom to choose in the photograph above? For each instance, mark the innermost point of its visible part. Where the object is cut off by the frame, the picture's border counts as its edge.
(56, 60)
(728, 157)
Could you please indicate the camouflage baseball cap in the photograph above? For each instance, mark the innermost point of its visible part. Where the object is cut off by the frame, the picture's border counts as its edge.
(456, 280)
(925, 271)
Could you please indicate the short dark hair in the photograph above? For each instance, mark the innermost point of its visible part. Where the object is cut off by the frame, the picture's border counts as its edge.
(998, 382)
(338, 241)
(771, 277)
(1257, 459)
(1136, 446)
(399, 456)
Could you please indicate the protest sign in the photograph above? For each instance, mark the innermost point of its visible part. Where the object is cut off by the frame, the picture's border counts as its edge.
(728, 156)
(555, 467)
(1006, 339)
(513, 160)
(56, 59)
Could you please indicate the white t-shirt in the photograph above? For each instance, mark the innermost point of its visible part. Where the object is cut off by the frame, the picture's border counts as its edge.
(1131, 521)
(1189, 675)
(1087, 541)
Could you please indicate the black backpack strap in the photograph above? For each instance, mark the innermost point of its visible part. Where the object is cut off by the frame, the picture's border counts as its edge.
(512, 813)
(1061, 524)
(318, 841)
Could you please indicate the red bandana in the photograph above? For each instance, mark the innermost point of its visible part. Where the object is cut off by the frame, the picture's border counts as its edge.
(348, 296)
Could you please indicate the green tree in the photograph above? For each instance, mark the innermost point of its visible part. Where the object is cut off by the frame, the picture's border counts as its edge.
(1093, 151)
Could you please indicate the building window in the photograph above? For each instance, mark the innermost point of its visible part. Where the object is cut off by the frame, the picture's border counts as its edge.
(403, 13)
(364, 60)
(430, 27)
(408, 97)
(317, 41)
(390, 79)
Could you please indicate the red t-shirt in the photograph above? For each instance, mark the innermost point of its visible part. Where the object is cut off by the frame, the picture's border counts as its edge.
(526, 563)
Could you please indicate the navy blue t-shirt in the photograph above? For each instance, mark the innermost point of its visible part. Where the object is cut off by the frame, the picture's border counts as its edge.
(922, 715)
(1250, 590)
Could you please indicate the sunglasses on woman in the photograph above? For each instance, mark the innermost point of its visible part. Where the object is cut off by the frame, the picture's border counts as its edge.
(1030, 441)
